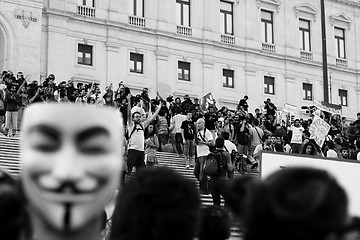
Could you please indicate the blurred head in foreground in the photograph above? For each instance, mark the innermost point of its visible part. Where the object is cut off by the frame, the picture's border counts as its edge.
(156, 204)
(215, 224)
(295, 203)
(14, 219)
(71, 160)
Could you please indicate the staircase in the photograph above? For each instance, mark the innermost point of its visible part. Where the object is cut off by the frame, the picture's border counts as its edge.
(10, 162)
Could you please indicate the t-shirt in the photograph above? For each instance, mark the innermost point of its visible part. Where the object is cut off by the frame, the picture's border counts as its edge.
(331, 153)
(296, 134)
(210, 120)
(202, 149)
(256, 134)
(229, 146)
(162, 125)
(137, 139)
(188, 127)
(177, 121)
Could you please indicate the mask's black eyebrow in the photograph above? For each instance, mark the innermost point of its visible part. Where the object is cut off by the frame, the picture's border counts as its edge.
(92, 132)
(46, 130)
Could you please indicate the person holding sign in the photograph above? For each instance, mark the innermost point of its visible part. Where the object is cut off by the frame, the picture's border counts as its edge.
(296, 139)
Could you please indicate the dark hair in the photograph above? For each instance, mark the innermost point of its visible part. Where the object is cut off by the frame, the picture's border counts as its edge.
(265, 137)
(286, 139)
(133, 114)
(146, 132)
(14, 218)
(225, 135)
(331, 144)
(313, 150)
(214, 224)
(219, 142)
(156, 204)
(308, 203)
(256, 122)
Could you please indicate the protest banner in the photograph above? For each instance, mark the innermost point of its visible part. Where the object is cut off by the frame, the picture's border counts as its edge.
(328, 109)
(288, 108)
(345, 171)
(207, 101)
(163, 90)
(318, 130)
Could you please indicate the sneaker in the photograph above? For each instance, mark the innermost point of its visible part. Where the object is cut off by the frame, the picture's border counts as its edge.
(254, 165)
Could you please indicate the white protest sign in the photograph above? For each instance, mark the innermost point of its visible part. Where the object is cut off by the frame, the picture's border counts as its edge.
(318, 130)
(291, 109)
(345, 172)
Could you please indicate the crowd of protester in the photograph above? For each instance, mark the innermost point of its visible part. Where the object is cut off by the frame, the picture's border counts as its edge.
(182, 126)
(245, 129)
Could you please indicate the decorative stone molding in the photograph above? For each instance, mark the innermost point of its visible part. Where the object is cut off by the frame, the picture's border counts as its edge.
(112, 46)
(341, 20)
(26, 16)
(306, 11)
(269, 4)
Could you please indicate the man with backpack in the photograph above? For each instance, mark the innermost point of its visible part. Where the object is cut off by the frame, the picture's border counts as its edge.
(216, 166)
(204, 140)
(136, 137)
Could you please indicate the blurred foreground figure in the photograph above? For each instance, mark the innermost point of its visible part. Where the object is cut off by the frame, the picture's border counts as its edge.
(215, 224)
(71, 161)
(156, 204)
(14, 219)
(295, 203)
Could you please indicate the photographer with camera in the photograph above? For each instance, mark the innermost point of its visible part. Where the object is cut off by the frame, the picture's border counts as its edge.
(109, 96)
(146, 99)
(270, 110)
(243, 106)
(50, 88)
(36, 93)
(12, 102)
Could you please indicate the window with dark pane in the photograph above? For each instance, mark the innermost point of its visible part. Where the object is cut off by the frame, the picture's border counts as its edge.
(228, 78)
(184, 71)
(136, 62)
(85, 54)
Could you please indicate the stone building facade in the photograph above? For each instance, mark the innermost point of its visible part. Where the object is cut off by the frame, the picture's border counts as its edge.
(231, 48)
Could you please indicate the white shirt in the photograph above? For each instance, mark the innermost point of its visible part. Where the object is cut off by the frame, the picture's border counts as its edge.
(358, 156)
(296, 134)
(177, 121)
(202, 149)
(331, 153)
(230, 146)
(137, 139)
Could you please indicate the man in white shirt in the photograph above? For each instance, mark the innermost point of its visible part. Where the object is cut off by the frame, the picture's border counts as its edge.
(175, 126)
(136, 137)
(296, 139)
(204, 139)
(256, 134)
(229, 147)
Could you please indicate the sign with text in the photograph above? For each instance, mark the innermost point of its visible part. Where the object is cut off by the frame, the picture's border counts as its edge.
(324, 108)
(345, 172)
(288, 108)
(318, 130)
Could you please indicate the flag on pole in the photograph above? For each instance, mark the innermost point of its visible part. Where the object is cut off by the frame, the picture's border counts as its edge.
(207, 101)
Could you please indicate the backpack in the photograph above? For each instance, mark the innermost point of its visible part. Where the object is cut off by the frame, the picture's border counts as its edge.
(214, 164)
(128, 136)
